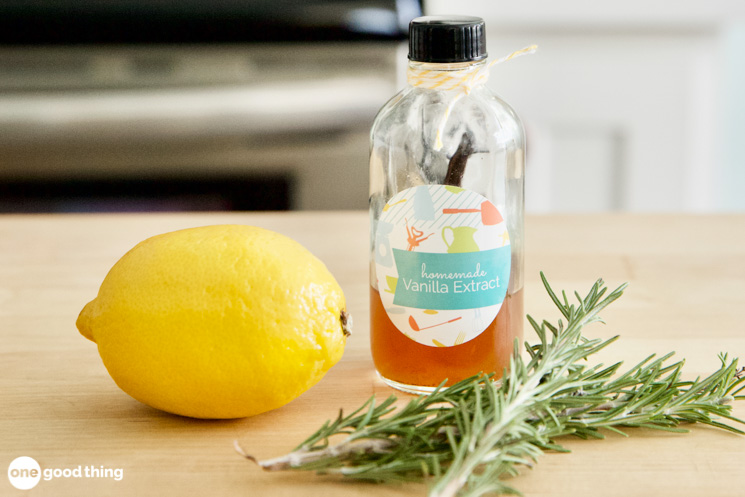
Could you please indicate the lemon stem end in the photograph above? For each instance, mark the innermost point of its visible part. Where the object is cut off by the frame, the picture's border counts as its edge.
(346, 323)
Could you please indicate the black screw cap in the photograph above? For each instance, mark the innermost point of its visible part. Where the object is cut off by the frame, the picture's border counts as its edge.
(447, 39)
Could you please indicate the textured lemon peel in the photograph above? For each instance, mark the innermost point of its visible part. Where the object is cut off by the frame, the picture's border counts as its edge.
(219, 320)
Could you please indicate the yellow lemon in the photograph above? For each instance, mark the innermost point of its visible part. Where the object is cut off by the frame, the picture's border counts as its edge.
(218, 321)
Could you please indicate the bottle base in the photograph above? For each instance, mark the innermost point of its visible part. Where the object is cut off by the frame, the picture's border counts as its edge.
(415, 389)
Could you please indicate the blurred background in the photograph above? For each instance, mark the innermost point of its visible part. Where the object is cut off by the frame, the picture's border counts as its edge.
(153, 105)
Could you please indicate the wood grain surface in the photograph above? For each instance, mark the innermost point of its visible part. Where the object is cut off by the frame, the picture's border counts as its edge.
(59, 406)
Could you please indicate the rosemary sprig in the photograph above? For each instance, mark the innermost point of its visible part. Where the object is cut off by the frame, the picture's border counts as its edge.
(467, 438)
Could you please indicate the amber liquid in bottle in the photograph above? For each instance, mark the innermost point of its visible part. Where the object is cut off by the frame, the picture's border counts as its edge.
(402, 360)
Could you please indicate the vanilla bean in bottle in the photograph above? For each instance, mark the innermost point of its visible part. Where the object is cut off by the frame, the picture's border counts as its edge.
(446, 215)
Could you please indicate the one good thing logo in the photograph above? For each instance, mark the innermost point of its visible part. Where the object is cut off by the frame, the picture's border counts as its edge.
(24, 473)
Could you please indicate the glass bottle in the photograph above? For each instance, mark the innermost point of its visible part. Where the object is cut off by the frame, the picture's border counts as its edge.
(446, 215)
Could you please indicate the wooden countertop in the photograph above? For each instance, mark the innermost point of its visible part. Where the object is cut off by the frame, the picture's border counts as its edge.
(59, 406)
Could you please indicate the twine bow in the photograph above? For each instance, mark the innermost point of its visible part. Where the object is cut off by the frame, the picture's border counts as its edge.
(464, 80)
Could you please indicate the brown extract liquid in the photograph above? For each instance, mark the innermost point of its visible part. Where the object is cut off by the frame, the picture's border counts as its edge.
(401, 359)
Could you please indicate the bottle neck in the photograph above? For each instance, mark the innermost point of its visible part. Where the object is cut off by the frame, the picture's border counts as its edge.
(462, 76)
(446, 66)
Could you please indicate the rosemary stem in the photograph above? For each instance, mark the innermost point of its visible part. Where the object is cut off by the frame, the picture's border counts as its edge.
(299, 458)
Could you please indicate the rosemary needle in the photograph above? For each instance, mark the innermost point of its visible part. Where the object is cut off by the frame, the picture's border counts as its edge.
(465, 439)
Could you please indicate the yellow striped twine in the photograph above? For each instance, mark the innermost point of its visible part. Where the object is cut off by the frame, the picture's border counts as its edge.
(464, 80)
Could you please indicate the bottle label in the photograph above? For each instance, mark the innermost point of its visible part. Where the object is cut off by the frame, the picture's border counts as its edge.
(442, 259)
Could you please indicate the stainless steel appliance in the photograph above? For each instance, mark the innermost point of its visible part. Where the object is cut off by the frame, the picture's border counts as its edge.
(138, 105)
